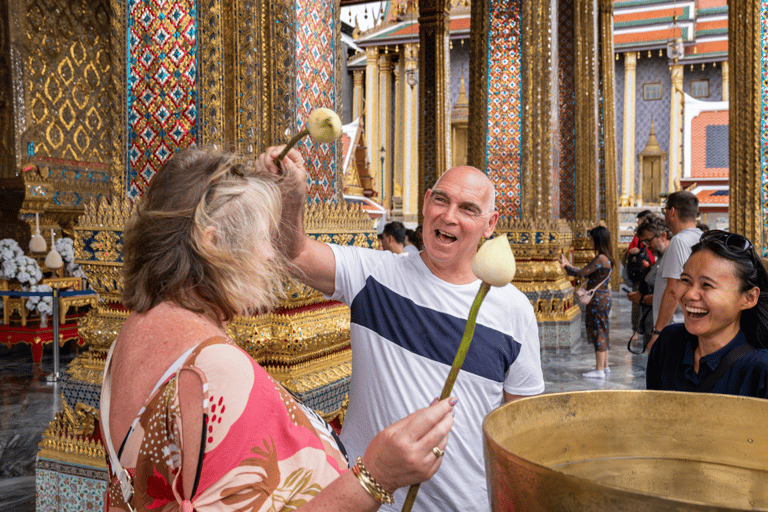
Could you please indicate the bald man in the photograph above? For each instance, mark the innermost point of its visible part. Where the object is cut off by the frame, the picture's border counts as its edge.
(407, 319)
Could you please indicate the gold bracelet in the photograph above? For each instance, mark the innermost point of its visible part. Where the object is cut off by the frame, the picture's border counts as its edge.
(370, 484)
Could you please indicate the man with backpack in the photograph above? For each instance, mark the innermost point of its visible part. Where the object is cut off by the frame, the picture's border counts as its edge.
(638, 260)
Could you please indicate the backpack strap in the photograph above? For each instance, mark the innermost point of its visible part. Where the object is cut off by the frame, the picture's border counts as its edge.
(726, 362)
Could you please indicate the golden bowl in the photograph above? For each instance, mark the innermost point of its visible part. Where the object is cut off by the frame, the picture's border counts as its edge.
(628, 451)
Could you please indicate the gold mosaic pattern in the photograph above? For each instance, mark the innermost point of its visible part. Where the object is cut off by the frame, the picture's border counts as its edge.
(67, 71)
(246, 95)
(290, 339)
(7, 150)
(68, 438)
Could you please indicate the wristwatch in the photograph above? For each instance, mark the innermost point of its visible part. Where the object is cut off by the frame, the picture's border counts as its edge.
(656, 332)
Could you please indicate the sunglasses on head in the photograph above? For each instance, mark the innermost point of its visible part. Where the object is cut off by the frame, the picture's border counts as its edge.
(732, 241)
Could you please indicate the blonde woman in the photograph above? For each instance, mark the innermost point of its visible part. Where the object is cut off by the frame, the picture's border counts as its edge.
(191, 421)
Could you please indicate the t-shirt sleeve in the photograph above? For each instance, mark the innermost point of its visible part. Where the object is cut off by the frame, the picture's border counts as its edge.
(674, 259)
(351, 272)
(524, 376)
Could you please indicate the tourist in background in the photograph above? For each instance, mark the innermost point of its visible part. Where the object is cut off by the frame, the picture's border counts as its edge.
(638, 261)
(598, 310)
(680, 213)
(654, 234)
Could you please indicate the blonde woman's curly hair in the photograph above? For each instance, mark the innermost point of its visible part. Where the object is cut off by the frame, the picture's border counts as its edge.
(204, 237)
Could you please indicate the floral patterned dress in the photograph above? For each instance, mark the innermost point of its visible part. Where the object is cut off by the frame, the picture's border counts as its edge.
(262, 451)
(598, 310)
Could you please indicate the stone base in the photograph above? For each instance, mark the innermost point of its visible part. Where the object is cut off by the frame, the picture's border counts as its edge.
(561, 334)
(68, 487)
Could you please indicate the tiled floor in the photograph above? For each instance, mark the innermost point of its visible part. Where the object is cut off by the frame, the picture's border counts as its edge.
(28, 404)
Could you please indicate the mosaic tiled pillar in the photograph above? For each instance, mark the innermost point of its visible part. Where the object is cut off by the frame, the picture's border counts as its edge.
(316, 81)
(566, 102)
(609, 168)
(434, 118)
(162, 86)
(586, 68)
(504, 108)
(748, 138)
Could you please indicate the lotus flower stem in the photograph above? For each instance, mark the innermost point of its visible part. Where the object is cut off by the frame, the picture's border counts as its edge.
(296, 138)
(458, 361)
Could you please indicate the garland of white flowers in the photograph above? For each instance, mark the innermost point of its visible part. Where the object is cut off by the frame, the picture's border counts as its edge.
(14, 264)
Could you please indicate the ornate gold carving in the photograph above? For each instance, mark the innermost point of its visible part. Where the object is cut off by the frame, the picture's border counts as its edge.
(478, 84)
(338, 218)
(67, 74)
(434, 120)
(610, 168)
(586, 85)
(536, 247)
(80, 421)
(290, 339)
(98, 245)
(67, 438)
(319, 373)
(536, 128)
(99, 328)
(745, 54)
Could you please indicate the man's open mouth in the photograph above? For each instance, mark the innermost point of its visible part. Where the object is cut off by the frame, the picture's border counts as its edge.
(444, 237)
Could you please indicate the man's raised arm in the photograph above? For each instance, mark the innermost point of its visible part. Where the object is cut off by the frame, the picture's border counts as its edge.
(314, 261)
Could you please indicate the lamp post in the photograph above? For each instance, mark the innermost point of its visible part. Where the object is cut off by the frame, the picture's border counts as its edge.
(382, 154)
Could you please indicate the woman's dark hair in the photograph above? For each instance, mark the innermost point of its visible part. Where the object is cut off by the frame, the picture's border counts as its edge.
(750, 272)
(415, 238)
(601, 238)
(644, 213)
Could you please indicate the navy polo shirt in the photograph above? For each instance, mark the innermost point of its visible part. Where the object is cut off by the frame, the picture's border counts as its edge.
(670, 365)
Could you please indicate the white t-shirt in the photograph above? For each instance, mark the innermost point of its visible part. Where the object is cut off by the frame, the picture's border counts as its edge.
(411, 249)
(671, 266)
(406, 327)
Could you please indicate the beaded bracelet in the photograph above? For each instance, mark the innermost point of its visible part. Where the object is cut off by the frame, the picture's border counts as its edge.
(371, 485)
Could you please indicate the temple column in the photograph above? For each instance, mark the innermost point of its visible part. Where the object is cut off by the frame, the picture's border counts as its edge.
(397, 143)
(372, 114)
(478, 83)
(586, 71)
(628, 142)
(358, 94)
(675, 125)
(385, 130)
(724, 74)
(609, 194)
(412, 191)
(748, 171)
(433, 112)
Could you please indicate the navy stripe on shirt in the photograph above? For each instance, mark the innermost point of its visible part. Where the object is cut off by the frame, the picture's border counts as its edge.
(430, 333)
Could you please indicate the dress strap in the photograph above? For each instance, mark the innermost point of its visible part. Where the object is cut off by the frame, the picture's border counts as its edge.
(126, 484)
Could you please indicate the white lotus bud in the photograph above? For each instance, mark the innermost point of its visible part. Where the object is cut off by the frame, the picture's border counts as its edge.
(494, 263)
(324, 125)
(53, 258)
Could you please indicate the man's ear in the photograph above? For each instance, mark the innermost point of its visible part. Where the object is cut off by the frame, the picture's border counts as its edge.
(426, 201)
(494, 218)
